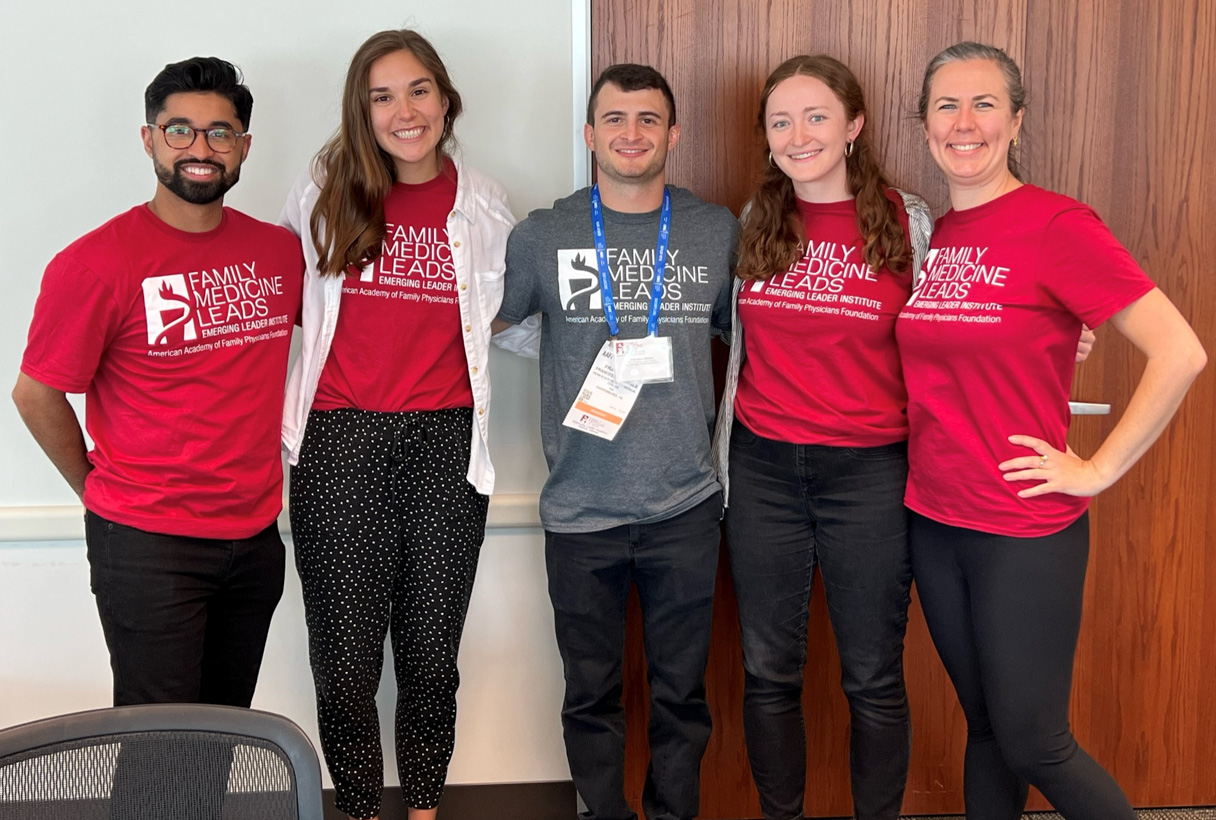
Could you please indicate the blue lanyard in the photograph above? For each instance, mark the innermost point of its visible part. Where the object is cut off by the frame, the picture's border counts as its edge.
(660, 264)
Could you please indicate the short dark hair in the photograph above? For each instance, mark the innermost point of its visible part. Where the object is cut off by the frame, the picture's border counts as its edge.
(632, 77)
(199, 74)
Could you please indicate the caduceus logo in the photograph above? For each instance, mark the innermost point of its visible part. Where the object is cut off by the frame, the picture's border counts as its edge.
(169, 310)
(576, 278)
(922, 276)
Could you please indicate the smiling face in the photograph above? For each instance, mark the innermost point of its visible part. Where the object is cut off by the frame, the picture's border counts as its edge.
(407, 115)
(969, 125)
(808, 130)
(197, 175)
(630, 136)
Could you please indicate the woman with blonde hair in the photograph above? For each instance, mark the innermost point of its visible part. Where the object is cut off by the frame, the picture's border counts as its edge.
(386, 417)
(999, 532)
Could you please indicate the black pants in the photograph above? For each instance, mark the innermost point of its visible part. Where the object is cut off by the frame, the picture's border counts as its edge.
(1004, 614)
(387, 533)
(674, 564)
(185, 619)
(792, 507)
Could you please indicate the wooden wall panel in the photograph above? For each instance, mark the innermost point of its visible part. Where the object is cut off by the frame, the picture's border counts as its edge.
(1123, 117)
(1120, 113)
(717, 53)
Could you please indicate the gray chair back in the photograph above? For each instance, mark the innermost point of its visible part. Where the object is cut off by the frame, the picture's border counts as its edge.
(159, 762)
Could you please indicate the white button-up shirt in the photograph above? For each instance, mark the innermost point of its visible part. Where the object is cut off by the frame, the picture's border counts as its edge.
(477, 227)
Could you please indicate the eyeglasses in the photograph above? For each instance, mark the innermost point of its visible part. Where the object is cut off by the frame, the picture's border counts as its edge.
(178, 135)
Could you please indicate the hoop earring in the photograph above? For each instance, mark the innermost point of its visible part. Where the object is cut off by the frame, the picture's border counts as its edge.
(848, 149)
(770, 159)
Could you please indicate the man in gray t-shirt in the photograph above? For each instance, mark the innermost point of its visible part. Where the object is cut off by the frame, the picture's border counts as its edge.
(643, 507)
(659, 464)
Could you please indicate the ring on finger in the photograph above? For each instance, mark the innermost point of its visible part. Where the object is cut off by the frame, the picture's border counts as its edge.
(1042, 462)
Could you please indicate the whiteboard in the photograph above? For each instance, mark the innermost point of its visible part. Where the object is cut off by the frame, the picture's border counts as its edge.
(72, 76)
(521, 69)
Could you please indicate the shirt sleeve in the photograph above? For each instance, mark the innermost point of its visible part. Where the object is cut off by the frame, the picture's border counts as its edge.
(495, 223)
(76, 318)
(522, 338)
(521, 295)
(721, 314)
(1085, 269)
(293, 217)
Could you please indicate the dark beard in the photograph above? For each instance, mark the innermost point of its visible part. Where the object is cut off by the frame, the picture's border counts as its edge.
(194, 191)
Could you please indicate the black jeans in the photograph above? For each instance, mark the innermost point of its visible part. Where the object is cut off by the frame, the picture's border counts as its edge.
(1004, 614)
(793, 506)
(674, 564)
(185, 619)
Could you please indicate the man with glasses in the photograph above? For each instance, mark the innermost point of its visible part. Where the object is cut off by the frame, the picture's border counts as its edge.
(174, 319)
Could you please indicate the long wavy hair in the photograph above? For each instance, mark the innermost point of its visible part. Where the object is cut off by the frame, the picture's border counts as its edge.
(773, 233)
(354, 173)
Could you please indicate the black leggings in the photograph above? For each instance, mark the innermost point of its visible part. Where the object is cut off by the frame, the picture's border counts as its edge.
(1004, 614)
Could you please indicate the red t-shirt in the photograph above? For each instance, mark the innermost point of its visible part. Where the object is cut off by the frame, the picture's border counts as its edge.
(988, 341)
(822, 366)
(398, 344)
(179, 342)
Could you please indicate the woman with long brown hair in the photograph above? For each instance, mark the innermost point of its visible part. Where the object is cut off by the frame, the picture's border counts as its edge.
(812, 434)
(386, 417)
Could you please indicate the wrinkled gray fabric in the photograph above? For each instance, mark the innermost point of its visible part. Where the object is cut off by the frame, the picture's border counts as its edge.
(660, 464)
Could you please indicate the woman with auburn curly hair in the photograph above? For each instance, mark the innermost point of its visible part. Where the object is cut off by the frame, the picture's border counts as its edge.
(812, 435)
(386, 417)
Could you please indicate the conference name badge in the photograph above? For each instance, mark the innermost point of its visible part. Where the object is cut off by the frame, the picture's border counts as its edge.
(603, 403)
(647, 360)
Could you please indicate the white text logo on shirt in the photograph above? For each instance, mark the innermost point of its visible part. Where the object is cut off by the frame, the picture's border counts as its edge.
(209, 302)
(632, 274)
(950, 273)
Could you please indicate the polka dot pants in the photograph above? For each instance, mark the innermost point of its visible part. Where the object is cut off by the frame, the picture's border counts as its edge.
(387, 531)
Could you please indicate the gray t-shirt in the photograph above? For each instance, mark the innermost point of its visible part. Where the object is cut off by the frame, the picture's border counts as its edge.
(659, 464)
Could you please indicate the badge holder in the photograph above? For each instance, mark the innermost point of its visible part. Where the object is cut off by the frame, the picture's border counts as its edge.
(622, 366)
(602, 403)
(646, 361)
